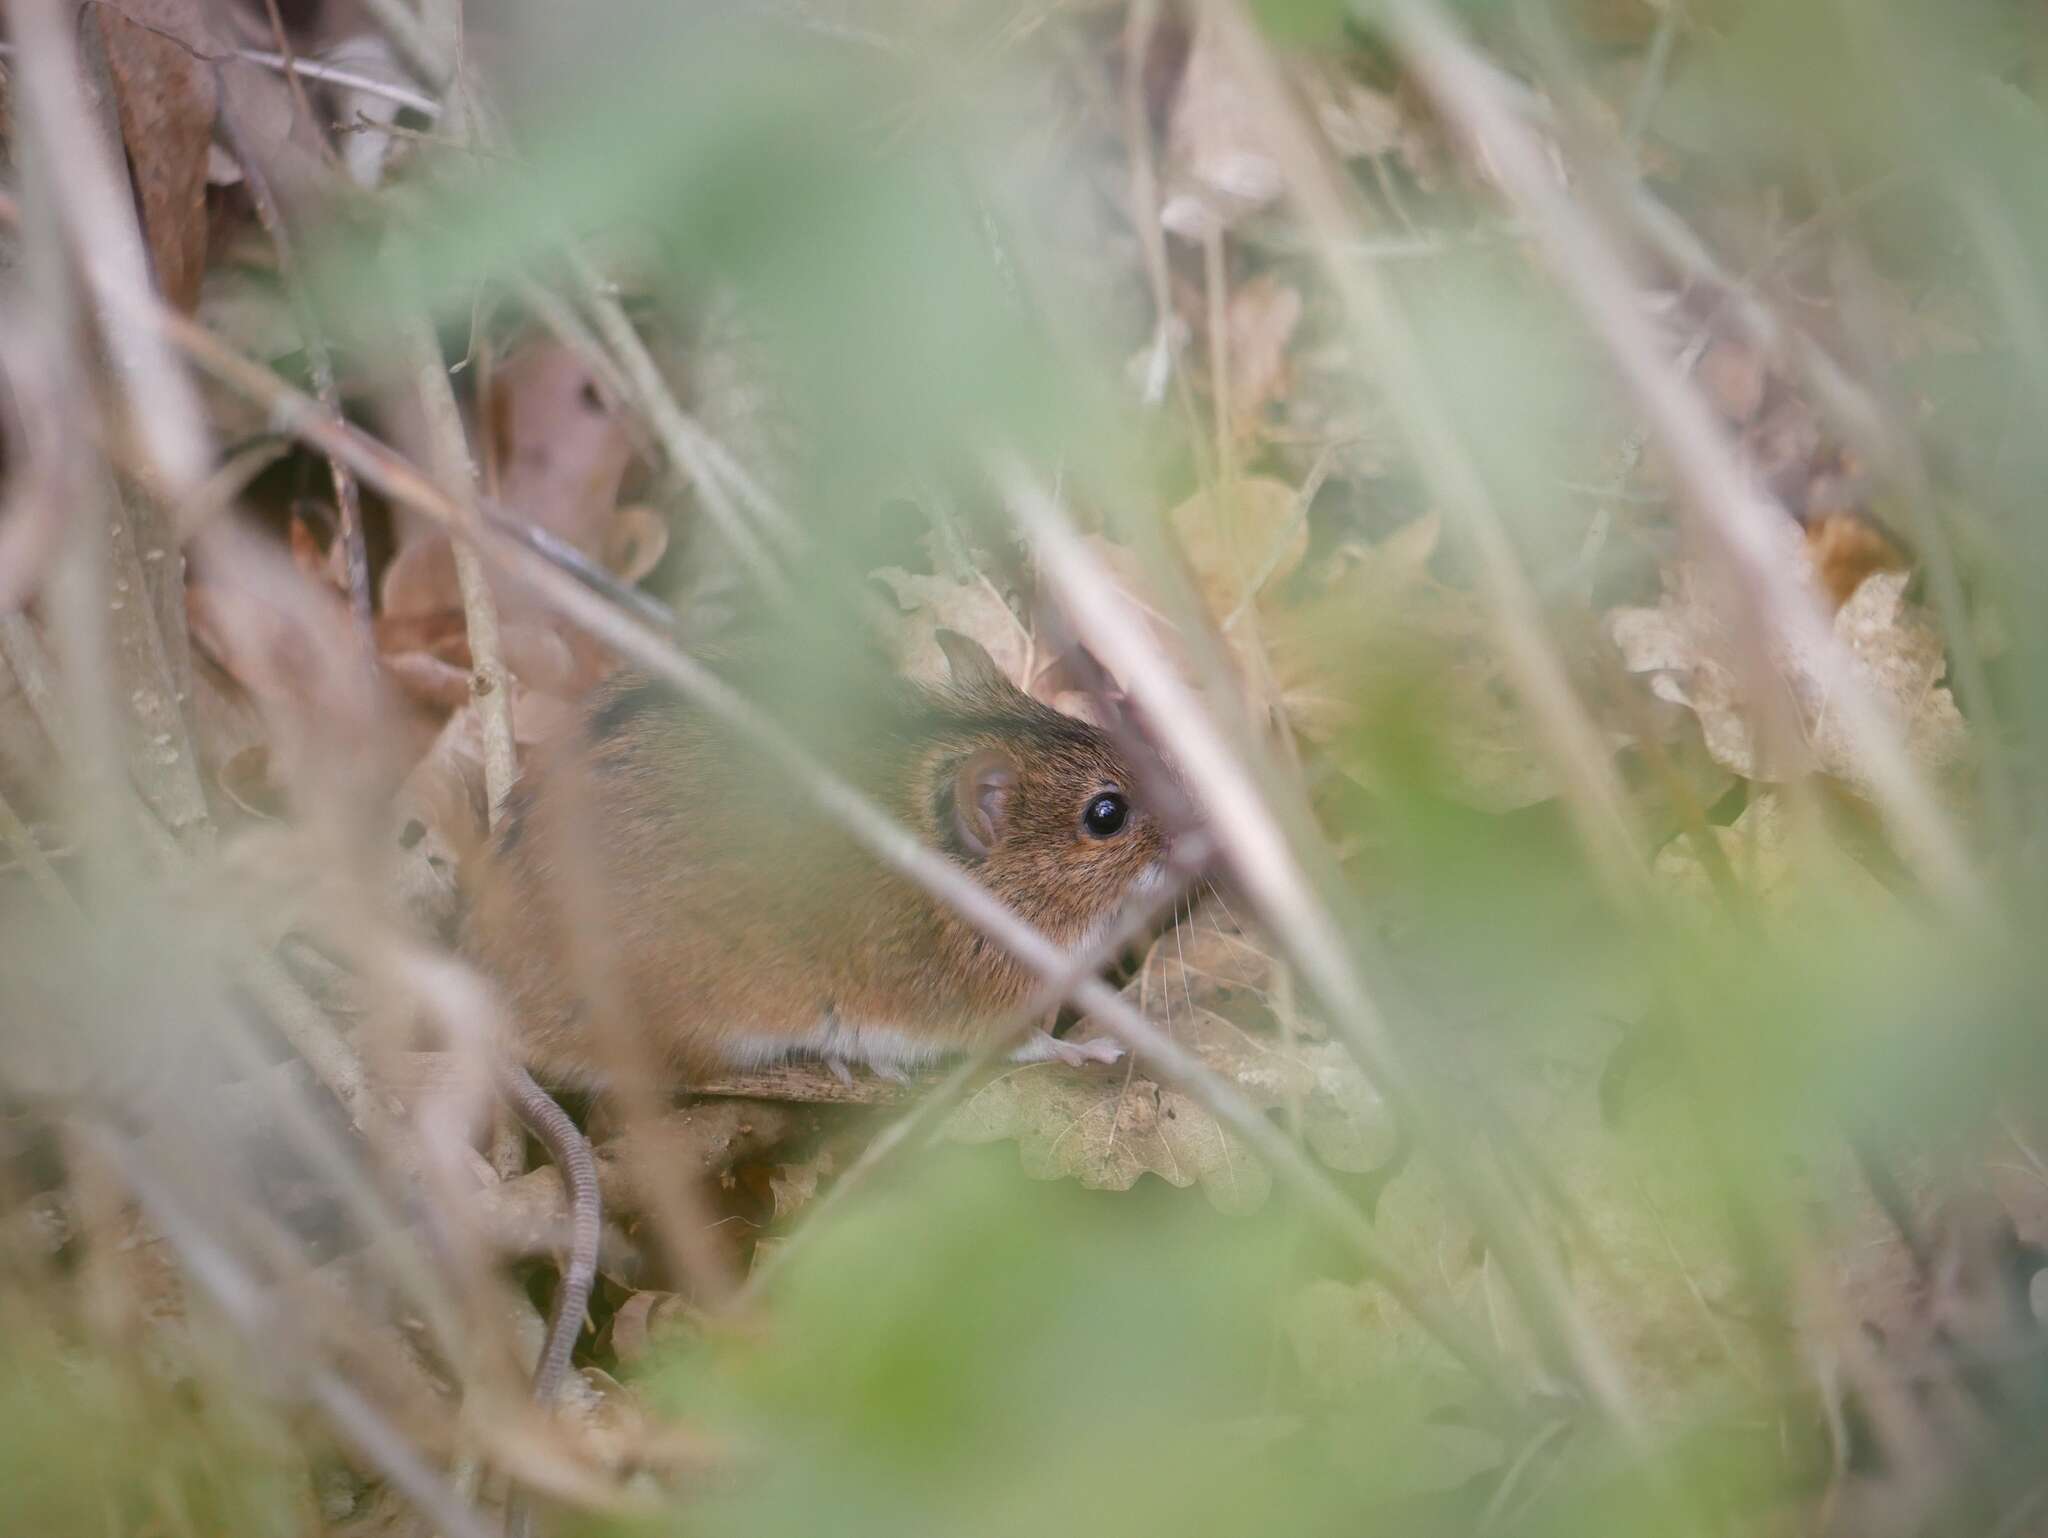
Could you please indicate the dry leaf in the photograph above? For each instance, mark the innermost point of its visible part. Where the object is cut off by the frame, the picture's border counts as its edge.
(973, 609)
(164, 90)
(1231, 534)
(1203, 959)
(1261, 320)
(1688, 647)
(1218, 164)
(1107, 1130)
(1384, 638)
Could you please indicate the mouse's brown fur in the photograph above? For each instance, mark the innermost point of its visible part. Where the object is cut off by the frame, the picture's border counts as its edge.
(739, 924)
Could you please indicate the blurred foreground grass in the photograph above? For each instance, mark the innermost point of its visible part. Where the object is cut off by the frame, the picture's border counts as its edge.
(1769, 1123)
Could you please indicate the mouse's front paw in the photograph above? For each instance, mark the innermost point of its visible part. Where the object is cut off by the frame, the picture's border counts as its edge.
(1044, 1047)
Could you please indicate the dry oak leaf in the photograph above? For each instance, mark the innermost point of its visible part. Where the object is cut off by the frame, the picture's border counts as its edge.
(975, 609)
(1687, 644)
(1244, 531)
(1204, 959)
(1107, 1130)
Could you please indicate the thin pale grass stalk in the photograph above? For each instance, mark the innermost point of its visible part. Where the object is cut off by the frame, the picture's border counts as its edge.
(1141, 24)
(1216, 286)
(689, 448)
(1592, 792)
(297, 87)
(1257, 846)
(76, 592)
(129, 650)
(91, 203)
(233, 476)
(1732, 519)
(347, 79)
(620, 627)
(490, 682)
(271, 1340)
(32, 518)
(508, 1134)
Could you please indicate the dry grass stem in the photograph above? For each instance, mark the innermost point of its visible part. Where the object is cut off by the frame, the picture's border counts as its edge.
(97, 217)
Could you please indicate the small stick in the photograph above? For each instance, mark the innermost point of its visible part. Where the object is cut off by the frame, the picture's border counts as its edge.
(290, 61)
(347, 79)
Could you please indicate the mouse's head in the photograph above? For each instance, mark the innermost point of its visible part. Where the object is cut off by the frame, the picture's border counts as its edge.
(1042, 806)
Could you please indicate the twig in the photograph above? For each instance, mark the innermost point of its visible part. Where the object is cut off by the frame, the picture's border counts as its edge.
(1656, 66)
(1734, 520)
(290, 61)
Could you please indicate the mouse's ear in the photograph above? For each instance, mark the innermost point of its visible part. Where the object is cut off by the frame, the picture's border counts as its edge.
(973, 668)
(981, 799)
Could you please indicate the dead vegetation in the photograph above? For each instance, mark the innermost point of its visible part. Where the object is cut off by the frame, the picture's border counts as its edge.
(1555, 480)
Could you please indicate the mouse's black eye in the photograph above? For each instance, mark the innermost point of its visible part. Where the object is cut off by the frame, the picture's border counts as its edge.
(1106, 814)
